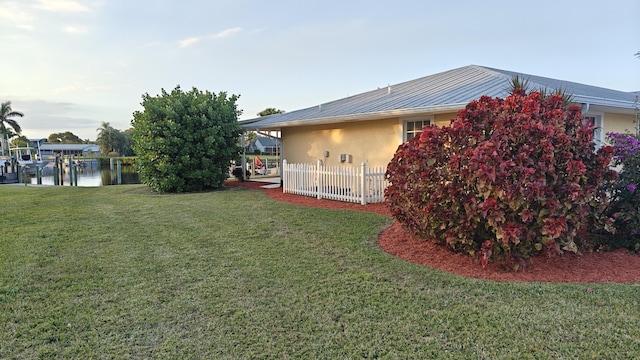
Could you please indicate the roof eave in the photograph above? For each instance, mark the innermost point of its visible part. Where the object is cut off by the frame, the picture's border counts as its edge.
(605, 102)
(358, 117)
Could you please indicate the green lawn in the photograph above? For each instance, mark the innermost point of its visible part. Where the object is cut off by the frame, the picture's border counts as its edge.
(118, 272)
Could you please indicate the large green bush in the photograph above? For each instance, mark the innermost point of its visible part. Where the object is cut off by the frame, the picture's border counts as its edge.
(185, 141)
(506, 179)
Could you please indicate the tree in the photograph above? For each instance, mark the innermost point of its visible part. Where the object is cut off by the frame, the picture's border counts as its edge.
(250, 136)
(113, 141)
(185, 141)
(126, 142)
(270, 111)
(107, 139)
(20, 141)
(66, 137)
(6, 115)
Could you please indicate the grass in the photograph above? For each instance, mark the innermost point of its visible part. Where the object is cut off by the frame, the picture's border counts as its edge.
(118, 272)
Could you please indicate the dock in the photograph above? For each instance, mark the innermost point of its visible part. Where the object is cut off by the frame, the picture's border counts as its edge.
(9, 178)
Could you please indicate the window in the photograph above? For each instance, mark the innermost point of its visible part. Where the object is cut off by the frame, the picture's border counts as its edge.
(598, 134)
(414, 128)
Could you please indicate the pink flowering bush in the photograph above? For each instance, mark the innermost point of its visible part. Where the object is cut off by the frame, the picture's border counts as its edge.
(625, 193)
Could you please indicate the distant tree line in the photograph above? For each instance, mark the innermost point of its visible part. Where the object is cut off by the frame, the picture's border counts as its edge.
(66, 137)
(112, 141)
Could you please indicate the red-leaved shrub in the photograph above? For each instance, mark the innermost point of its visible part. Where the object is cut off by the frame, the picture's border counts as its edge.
(507, 178)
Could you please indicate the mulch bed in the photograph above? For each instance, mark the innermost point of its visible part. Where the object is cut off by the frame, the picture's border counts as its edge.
(618, 266)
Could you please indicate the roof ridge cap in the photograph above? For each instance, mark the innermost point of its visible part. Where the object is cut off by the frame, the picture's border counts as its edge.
(496, 71)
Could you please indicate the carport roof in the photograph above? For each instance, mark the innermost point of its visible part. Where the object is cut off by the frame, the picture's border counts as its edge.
(66, 147)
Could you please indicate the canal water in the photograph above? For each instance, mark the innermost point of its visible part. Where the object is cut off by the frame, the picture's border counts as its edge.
(92, 176)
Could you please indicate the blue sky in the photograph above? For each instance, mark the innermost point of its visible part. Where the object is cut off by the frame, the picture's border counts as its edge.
(70, 65)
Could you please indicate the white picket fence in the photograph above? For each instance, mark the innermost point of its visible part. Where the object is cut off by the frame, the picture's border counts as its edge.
(364, 185)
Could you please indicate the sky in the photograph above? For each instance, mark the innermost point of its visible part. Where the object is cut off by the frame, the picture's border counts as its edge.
(70, 65)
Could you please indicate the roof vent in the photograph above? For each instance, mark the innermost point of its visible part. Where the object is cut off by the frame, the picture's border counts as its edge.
(388, 89)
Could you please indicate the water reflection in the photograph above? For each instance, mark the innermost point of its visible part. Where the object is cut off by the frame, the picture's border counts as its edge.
(92, 175)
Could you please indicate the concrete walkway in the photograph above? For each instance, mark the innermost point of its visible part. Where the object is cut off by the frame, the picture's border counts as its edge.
(270, 182)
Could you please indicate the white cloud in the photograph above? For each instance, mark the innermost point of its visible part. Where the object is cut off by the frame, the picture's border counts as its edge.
(196, 39)
(27, 16)
(15, 13)
(189, 41)
(258, 30)
(65, 6)
(227, 32)
(81, 89)
(27, 27)
(75, 30)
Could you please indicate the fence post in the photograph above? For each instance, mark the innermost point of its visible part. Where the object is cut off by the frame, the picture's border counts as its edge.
(363, 184)
(56, 174)
(70, 170)
(283, 176)
(319, 176)
(119, 172)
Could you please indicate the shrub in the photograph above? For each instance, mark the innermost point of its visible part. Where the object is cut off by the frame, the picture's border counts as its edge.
(506, 179)
(185, 141)
(625, 193)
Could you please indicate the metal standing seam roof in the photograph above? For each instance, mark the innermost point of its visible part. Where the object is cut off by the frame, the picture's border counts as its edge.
(446, 91)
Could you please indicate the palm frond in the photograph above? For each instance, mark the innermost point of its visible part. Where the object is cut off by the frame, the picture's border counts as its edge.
(518, 83)
(6, 113)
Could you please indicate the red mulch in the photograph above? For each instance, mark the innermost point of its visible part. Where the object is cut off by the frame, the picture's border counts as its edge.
(617, 266)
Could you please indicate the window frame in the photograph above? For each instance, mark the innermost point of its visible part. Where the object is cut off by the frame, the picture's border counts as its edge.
(426, 120)
(598, 132)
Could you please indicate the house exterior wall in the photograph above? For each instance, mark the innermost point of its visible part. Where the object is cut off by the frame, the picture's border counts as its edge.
(373, 142)
(445, 119)
(619, 123)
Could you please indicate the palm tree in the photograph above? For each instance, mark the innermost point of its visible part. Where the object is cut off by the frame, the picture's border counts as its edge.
(107, 138)
(6, 115)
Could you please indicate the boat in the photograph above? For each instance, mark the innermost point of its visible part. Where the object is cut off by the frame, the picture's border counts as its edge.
(27, 159)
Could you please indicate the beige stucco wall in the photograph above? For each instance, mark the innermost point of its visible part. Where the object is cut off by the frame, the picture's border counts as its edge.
(445, 119)
(619, 123)
(373, 142)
